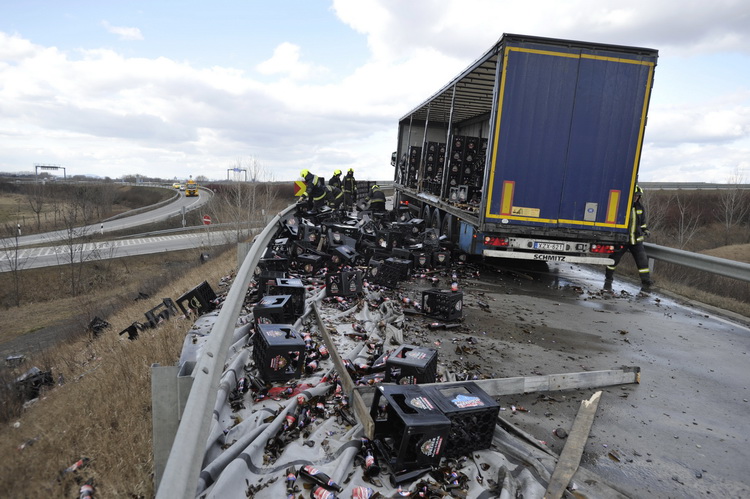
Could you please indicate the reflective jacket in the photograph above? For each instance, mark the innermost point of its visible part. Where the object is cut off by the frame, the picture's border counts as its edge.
(637, 227)
(350, 185)
(315, 186)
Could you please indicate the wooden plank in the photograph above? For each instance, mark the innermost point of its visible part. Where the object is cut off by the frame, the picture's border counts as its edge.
(357, 403)
(531, 384)
(570, 457)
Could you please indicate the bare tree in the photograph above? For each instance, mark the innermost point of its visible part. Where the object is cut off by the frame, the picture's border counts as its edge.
(733, 206)
(687, 221)
(75, 216)
(9, 259)
(657, 206)
(247, 202)
(37, 200)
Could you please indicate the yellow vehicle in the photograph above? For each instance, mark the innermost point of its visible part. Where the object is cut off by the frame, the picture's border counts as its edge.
(191, 188)
(176, 185)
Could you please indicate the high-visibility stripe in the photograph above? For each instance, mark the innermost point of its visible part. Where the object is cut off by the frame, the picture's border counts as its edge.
(612, 204)
(506, 200)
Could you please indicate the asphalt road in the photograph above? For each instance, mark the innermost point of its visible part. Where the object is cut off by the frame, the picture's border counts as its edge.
(681, 432)
(168, 210)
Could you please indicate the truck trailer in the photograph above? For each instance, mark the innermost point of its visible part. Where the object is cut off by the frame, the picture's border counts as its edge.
(532, 152)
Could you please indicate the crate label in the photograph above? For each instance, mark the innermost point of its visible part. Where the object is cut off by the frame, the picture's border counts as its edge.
(464, 401)
(279, 362)
(431, 447)
(274, 333)
(416, 354)
(422, 403)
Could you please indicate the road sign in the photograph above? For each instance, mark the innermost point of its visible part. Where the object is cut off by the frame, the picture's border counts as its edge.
(299, 187)
(206, 220)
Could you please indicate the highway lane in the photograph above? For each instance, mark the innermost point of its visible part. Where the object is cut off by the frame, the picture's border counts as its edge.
(30, 258)
(158, 214)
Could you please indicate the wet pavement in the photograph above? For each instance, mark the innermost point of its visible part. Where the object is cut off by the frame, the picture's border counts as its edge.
(681, 432)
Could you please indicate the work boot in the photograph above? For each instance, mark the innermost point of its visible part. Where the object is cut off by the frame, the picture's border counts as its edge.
(607, 285)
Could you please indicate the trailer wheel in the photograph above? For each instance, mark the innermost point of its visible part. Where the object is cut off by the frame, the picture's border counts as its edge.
(435, 219)
(446, 228)
(426, 214)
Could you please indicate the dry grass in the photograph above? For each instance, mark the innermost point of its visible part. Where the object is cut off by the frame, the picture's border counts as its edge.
(103, 410)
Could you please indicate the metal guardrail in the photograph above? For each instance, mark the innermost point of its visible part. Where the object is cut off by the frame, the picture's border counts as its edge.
(184, 464)
(706, 263)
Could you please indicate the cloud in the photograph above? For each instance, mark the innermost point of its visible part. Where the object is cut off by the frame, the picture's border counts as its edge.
(125, 33)
(285, 61)
(160, 115)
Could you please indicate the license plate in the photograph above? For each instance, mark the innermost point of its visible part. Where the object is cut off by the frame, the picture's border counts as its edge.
(549, 246)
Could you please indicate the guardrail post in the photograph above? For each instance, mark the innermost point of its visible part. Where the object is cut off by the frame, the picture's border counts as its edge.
(242, 250)
(170, 387)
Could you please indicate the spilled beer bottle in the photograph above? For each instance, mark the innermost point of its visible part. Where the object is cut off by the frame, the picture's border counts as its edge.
(319, 492)
(315, 475)
(370, 464)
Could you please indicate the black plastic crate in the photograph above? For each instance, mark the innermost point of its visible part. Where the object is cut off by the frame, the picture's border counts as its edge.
(309, 263)
(379, 272)
(278, 352)
(199, 300)
(290, 286)
(345, 283)
(441, 258)
(422, 259)
(443, 304)
(275, 309)
(410, 364)
(403, 266)
(266, 278)
(343, 255)
(472, 413)
(272, 262)
(338, 238)
(163, 311)
(402, 253)
(389, 239)
(410, 426)
(290, 225)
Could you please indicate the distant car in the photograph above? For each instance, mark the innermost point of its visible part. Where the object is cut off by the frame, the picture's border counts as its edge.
(176, 185)
(182, 187)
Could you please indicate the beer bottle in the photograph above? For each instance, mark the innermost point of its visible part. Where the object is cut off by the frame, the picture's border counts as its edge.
(319, 492)
(315, 475)
(370, 465)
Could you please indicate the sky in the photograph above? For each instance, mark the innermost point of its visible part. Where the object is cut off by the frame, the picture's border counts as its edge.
(173, 89)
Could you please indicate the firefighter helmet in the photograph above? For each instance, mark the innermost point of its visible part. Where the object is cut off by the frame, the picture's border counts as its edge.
(638, 190)
(351, 170)
(336, 173)
(304, 173)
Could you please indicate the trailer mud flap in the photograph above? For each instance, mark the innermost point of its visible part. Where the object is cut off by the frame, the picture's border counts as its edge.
(546, 257)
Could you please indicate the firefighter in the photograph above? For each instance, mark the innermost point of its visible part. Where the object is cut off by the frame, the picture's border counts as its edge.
(637, 232)
(315, 187)
(336, 179)
(377, 199)
(334, 196)
(350, 190)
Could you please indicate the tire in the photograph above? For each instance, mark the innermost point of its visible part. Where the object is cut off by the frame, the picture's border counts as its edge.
(435, 219)
(446, 227)
(426, 214)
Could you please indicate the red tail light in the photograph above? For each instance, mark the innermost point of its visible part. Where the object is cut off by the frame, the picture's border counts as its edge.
(605, 248)
(495, 241)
